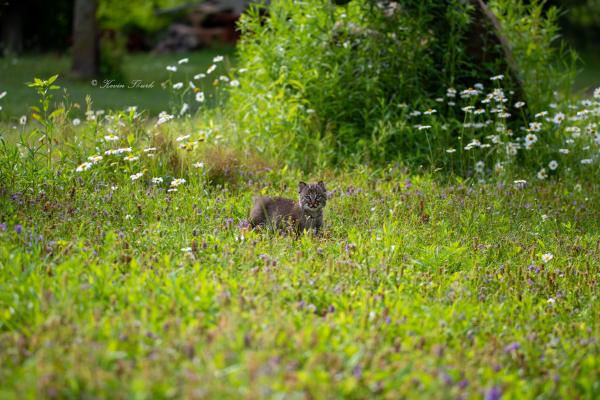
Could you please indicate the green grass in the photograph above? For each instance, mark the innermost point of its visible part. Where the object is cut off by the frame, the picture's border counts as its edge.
(422, 286)
(15, 72)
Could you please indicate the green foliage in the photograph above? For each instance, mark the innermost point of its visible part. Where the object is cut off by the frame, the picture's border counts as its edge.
(112, 55)
(123, 15)
(336, 81)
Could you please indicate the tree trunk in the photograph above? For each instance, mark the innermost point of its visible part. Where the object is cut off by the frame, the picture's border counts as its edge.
(86, 51)
(12, 29)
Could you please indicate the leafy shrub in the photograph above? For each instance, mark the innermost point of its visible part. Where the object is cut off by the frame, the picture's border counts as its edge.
(321, 83)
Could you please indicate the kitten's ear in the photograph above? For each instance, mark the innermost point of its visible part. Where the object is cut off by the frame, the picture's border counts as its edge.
(301, 186)
(321, 185)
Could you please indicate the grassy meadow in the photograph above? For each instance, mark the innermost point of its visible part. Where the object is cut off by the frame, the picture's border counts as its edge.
(460, 251)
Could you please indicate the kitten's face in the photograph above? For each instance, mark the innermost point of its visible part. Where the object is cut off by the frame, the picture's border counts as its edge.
(313, 197)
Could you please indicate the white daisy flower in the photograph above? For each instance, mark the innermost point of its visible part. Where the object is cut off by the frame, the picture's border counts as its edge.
(157, 180)
(542, 174)
(430, 112)
(450, 151)
(183, 61)
(563, 151)
(547, 257)
(178, 85)
(131, 157)
(234, 83)
(558, 118)
(137, 176)
(479, 167)
(111, 138)
(199, 76)
(586, 161)
(95, 159)
(3, 94)
(198, 165)
(182, 138)
(596, 93)
(553, 165)
(535, 126)
(84, 167)
(519, 104)
(23, 120)
(148, 149)
(211, 69)
(171, 68)
(218, 59)
(497, 78)
(176, 182)
(184, 109)
(164, 117)
(76, 121)
(541, 114)
(200, 97)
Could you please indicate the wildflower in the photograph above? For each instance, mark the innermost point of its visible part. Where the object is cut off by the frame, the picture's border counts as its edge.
(178, 85)
(176, 182)
(512, 347)
(423, 127)
(450, 150)
(171, 190)
(430, 112)
(164, 117)
(451, 92)
(575, 131)
(23, 120)
(171, 68)
(596, 93)
(470, 92)
(468, 109)
(198, 165)
(542, 174)
(84, 167)
(186, 249)
(553, 165)
(547, 257)
(451, 103)
(558, 118)
(223, 78)
(18, 229)
(2, 94)
(519, 104)
(535, 126)
(191, 85)
(504, 115)
(474, 143)
(182, 138)
(183, 61)
(199, 76)
(146, 150)
(128, 217)
(479, 111)
(111, 138)
(137, 176)
(234, 83)
(76, 122)
(494, 393)
(439, 99)
(415, 113)
(551, 300)
(530, 139)
(218, 59)
(520, 183)
(478, 86)
(200, 97)
(131, 157)
(511, 149)
(586, 161)
(497, 78)
(211, 69)
(563, 151)
(498, 168)
(184, 108)
(95, 159)
(541, 114)
(157, 180)
(479, 167)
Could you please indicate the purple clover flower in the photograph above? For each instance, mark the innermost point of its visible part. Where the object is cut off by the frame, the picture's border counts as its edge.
(18, 229)
(512, 347)
(494, 393)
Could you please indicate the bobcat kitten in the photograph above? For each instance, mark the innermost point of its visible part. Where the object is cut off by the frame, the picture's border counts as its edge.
(307, 213)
